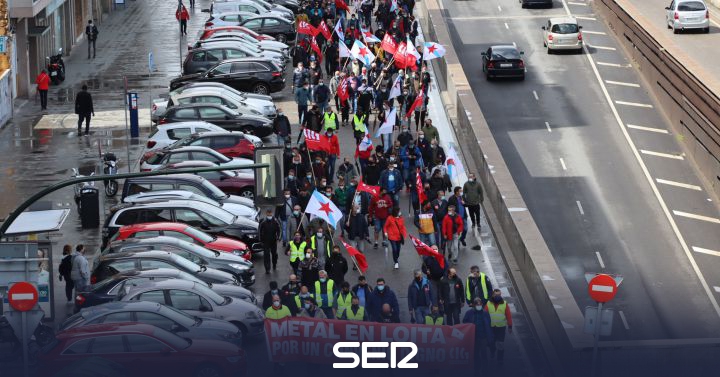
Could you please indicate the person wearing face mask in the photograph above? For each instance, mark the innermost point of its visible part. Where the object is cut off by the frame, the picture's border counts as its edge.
(500, 321)
(343, 300)
(291, 289)
(337, 266)
(477, 286)
(341, 195)
(362, 291)
(302, 97)
(434, 318)
(431, 132)
(452, 228)
(357, 229)
(382, 295)
(309, 268)
(283, 212)
(277, 310)
(371, 172)
(395, 232)
(296, 251)
(324, 294)
(405, 136)
(424, 145)
(346, 171)
(355, 312)
(273, 292)
(320, 170)
(452, 296)
(483, 333)
(359, 126)
(420, 111)
(458, 201)
(291, 183)
(473, 195)
(420, 298)
(321, 244)
(411, 159)
(425, 224)
(270, 233)
(311, 310)
(437, 156)
(380, 209)
(307, 184)
(391, 181)
(281, 126)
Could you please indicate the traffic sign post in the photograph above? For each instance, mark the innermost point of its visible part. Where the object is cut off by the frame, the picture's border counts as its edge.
(602, 288)
(23, 297)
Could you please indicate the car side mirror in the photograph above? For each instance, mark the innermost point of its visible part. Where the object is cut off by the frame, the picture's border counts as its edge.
(522, 52)
(227, 117)
(579, 27)
(483, 53)
(542, 27)
(210, 74)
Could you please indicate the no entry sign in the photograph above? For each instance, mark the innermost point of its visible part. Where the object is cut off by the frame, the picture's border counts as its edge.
(22, 296)
(602, 288)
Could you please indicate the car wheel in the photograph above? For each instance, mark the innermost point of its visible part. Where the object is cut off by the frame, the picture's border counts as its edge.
(676, 31)
(282, 38)
(261, 88)
(522, 78)
(549, 51)
(706, 30)
(241, 327)
(248, 193)
(487, 77)
(207, 370)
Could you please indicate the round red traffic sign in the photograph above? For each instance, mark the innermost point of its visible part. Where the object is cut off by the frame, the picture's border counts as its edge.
(602, 288)
(22, 296)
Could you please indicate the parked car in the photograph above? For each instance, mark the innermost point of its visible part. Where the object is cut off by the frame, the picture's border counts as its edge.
(230, 144)
(227, 17)
(152, 313)
(503, 61)
(220, 115)
(107, 290)
(166, 134)
(228, 181)
(152, 160)
(183, 232)
(281, 28)
(233, 34)
(211, 219)
(257, 75)
(260, 102)
(536, 3)
(253, 6)
(562, 34)
(291, 5)
(164, 195)
(687, 14)
(186, 182)
(266, 48)
(214, 29)
(144, 350)
(209, 54)
(215, 96)
(108, 265)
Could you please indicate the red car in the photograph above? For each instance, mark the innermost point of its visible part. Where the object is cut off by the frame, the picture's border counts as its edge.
(230, 144)
(185, 233)
(142, 350)
(228, 181)
(212, 30)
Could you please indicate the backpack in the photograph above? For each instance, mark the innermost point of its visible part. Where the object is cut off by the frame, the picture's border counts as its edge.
(65, 266)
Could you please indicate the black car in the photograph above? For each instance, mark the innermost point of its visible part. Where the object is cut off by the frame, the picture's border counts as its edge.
(503, 61)
(108, 289)
(164, 317)
(536, 3)
(218, 115)
(274, 26)
(108, 265)
(293, 5)
(257, 75)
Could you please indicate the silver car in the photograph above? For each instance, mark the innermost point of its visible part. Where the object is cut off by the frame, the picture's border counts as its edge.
(562, 34)
(687, 14)
(200, 301)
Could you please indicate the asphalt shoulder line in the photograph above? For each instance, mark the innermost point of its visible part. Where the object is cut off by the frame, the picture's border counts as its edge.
(649, 129)
(706, 251)
(697, 217)
(660, 154)
(678, 184)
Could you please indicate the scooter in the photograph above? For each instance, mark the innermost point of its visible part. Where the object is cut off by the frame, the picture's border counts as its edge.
(56, 68)
(110, 168)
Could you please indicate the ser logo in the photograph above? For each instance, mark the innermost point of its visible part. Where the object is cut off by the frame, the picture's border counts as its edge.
(368, 351)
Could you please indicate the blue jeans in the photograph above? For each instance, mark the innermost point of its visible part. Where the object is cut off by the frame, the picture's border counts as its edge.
(395, 245)
(428, 239)
(322, 106)
(331, 169)
(284, 230)
(280, 140)
(420, 313)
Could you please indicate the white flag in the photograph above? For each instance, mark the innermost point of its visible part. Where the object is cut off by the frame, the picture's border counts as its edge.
(454, 163)
(411, 50)
(339, 31)
(322, 207)
(388, 124)
(362, 53)
(344, 52)
(396, 89)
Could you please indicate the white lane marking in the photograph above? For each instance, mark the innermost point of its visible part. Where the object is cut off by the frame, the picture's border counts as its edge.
(622, 83)
(602, 47)
(650, 129)
(499, 8)
(503, 17)
(624, 320)
(659, 154)
(706, 251)
(580, 208)
(575, 3)
(585, 18)
(594, 32)
(602, 264)
(22, 296)
(697, 217)
(614, 65)
(547, 125)
(506, 26)
(645, 105)
(678, 184)
(602, 288)
(654, 188)
(536, 96)
(562, 162)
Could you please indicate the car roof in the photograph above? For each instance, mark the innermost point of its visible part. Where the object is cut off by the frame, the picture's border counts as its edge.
(215, 43)
(170, 126)
(138, 254)
(267, 15)
(154, 226)
(148, 195)
(249, 59)
(511, 47)
(172, 177)
(165, 240)
(150, 272)
(107, 329)
(194, 105)
(191, 148)
(563, 20)
(231, 13)
(163, 284)
(191, 164)
(113, 306)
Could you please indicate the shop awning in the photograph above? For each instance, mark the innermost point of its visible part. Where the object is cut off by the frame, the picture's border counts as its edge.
(37, 31)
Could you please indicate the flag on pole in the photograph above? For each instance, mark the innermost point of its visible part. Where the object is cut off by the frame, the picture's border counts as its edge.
(411, 50)
(388, 44)
(339, 31)
(396, 89)
(342, 91)
(432, 50)
(418, 101)
(423, 249)
(315, 47)
(393, 6)
(323, 28)
(305, 28)
(387, 126)
(411, 56)
(340, 4)
(372, 190)
(365, 144)
(400, 55)
(369, 36)
(419, 186)
(316, 141)
(359, 257)
(362, 53)
(322, 207)
(343, 50)
(453, 163)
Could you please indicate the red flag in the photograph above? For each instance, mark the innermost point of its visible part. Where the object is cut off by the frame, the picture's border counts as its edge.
(340, 4)
(416, 103)
(423, 249)
(323, 28)
(372, 190)
(359, 257)
(315, 47)
(305, 28)
(388, 44)
(419, 186)
(342, 91)
(316, 141)
(400, 56)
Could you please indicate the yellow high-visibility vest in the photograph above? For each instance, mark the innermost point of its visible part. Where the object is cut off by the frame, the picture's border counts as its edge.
(468, 294)
(330, 123)
(437, 322)
(318, 297)
(272, 313)
(297, 251)
(359, 316)
(359, 123)
(497, 315)
(343, 303)
(327, 245)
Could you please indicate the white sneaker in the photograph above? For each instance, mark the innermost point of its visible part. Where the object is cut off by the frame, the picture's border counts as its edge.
(397, 266)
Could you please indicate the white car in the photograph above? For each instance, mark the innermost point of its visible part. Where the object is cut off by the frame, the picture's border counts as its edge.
(221, 94)
(263, 50)
(259, 7)
(167, 134)
(562, 33)
(153, 160)
(227, 18)
(265, 44)
(153, 196)
(687, 14)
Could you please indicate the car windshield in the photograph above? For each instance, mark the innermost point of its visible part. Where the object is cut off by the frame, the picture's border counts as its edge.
(500, 53)
(186, 264)
(223, 215)
(181, 142)
(201, 251)
(173, 340)
(102, 284)
(565, 28)
(216, 192)
(198, 235)
(210, 295)
(176, 315)
(691, 6)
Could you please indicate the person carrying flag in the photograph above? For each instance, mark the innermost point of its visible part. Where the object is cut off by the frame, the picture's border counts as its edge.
(357, 229)
(425, 223)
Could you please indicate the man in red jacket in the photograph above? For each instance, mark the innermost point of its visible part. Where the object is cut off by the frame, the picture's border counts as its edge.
(332, 154)
(452, 228)
(378, 212)
(43, 85)
(182, 15)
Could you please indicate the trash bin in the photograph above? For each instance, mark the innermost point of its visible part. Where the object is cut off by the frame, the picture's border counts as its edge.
(89, 207)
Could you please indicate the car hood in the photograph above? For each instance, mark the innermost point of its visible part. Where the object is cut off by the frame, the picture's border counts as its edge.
(233, 291)
(246, 223)
(214, 276)
(185, 78)
(258, 96)
(226, 244)
(239, 210)
(216, 324)
(225, 258)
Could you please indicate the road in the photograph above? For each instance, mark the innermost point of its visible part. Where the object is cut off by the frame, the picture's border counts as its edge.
(599, 168)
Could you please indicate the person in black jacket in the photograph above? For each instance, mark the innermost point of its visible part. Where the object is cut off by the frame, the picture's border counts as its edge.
(336, 266)
(281, 126)
(84, 108)
(452, 296)
(64, 270)
(283, 212)
(270, 233)
(357, 229)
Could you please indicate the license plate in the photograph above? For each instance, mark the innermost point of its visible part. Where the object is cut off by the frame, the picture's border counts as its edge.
(506, 65)
(53, 73)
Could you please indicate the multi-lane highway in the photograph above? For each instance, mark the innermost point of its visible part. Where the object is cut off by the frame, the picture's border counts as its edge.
(600, 169)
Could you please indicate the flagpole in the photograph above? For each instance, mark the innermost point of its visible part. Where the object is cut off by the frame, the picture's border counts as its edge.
(310, 163)
(352, 257)
(377, 82)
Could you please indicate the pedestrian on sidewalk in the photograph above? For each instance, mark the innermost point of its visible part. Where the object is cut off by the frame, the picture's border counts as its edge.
(483, 333)
(84, 108)
(182, 15)
(65, 270)
(281, 126)
(452, 228)
(91, 32)
(80, 272)
(500, 320)
(270, 233)
(395, 232)
(452, 296)
(477, 285)
(473, 195)
(43, 85)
